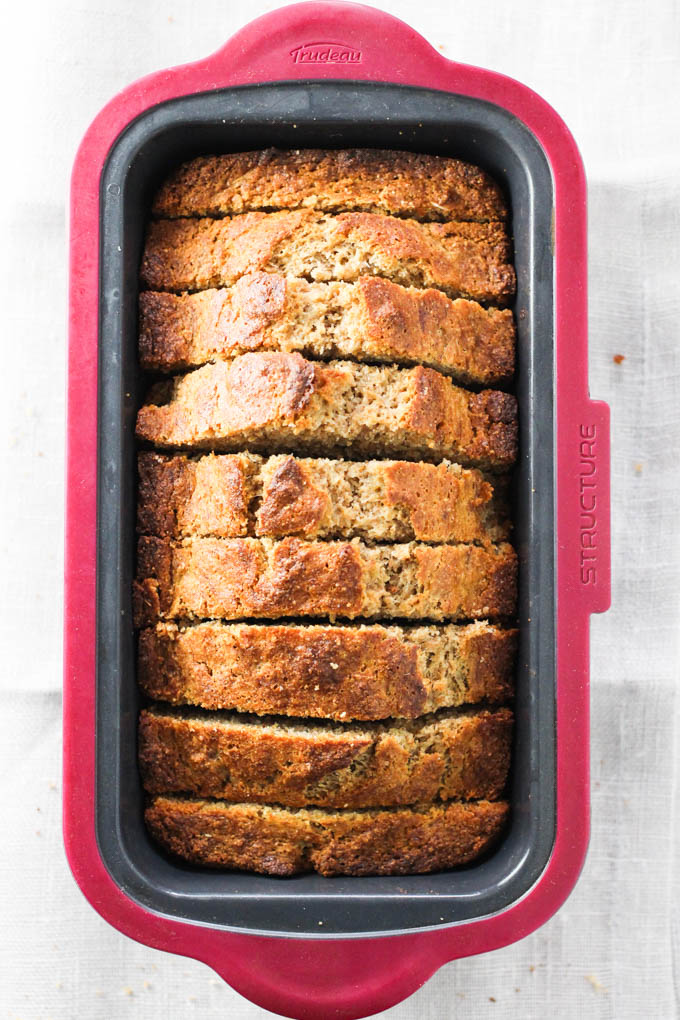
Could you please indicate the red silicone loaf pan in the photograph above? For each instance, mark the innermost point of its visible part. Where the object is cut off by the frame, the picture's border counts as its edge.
(333, 75)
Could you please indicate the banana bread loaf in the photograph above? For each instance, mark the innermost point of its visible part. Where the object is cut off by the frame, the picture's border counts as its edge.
(327, 310)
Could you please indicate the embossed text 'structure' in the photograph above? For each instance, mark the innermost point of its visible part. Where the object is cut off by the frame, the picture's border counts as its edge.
(588, 504)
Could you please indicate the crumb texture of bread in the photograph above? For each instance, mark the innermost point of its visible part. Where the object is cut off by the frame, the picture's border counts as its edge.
(286, 841)
(372, 320)
(240, 578)
(234, 495)
(465, 260)
(362, 672)
(277, 402)
(450, 756)
(370, 180)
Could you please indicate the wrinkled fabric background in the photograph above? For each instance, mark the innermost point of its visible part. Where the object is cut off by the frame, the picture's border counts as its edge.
(612, 70)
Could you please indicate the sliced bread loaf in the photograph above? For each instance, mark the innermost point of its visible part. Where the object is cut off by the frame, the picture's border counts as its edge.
(470, 260)
(370, 320)
(233, 495)
(285, 841)
(324, 671)
(281, 402)
(449, 756)
(375, 180)
(238, 578)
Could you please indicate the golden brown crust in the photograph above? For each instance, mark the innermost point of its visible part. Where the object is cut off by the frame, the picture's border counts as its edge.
(291, 503)
(444, 505)
(237, 578)
(468, 260)
(233, 495)
(284, 841)
(324, 671)
(370, 320)
(461, 756)
(210, 496)
(489, 654)
(374, 180)
(281, 402)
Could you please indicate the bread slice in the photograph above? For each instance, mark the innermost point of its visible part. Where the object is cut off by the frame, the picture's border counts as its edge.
(234, 495)
(470, 260)
(370, 320)
(324, 671)
(449, 756)
(240, 578)
(281, 402)
(374, 180)
(285, 841)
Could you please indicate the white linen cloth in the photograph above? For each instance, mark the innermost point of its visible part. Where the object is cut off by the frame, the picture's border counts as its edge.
(612, 70)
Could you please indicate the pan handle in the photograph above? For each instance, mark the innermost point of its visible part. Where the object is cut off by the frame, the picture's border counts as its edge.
(327, 39)
(584, 507)
(307, 979)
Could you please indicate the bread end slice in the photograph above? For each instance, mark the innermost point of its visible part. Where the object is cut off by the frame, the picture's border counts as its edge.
(279, 841)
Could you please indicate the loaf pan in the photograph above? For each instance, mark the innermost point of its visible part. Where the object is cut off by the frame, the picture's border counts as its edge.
(333, 75)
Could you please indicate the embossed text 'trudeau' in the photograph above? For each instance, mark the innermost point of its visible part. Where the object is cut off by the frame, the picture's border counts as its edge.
(325, 53)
